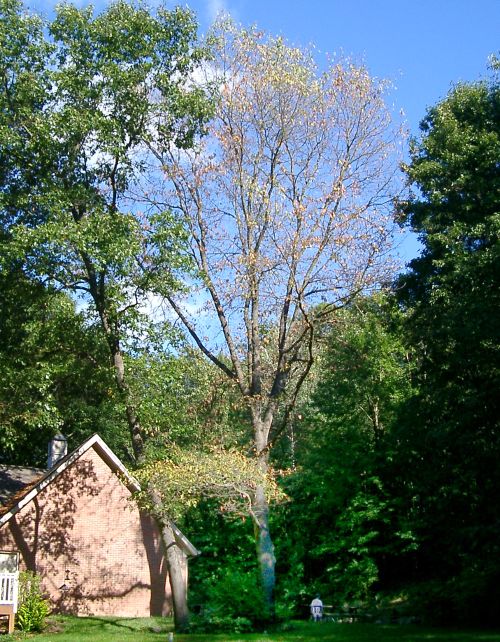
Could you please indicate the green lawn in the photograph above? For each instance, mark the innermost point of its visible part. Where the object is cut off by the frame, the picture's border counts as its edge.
(95, 629)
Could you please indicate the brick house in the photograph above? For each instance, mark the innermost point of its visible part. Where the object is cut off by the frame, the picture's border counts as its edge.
(77, 526)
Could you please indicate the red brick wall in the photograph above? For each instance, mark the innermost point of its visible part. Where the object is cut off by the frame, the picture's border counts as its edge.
(85, 522)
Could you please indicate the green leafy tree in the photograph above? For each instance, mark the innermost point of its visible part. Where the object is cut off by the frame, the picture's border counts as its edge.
(79, 111)
(338, 490)
(449, 443)
(184, 400)
(55, 375)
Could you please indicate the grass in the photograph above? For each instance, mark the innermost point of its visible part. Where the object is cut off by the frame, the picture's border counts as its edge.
(109, 629)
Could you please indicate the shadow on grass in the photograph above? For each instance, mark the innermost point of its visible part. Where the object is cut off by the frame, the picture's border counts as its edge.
(330, 632)
(114, 629)
(92, 624)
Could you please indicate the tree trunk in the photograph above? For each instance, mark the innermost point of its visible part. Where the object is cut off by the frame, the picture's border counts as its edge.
(265, 548)
(178, 585)
(263, 541)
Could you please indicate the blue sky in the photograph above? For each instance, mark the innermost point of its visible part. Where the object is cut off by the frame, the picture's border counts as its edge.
(422, 46)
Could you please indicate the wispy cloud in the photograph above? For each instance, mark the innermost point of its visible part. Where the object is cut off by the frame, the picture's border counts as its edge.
(215, 8)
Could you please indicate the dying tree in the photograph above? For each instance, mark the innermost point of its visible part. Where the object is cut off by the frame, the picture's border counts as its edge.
(288, 202)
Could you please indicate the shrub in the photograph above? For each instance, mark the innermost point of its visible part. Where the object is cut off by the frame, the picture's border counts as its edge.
(210, 622)
(234, 604)
(470, 598)
(33, 607)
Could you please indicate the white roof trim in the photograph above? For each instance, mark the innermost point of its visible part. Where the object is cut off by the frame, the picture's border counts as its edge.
(60, 467)
(112, 460)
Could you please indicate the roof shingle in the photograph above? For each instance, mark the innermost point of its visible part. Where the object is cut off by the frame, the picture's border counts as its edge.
(14, 479)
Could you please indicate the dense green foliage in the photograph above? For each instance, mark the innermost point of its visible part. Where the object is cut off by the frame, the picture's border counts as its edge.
(234, 603)
(340, 499)
(55, 376)
(82, 99)
(449, 443)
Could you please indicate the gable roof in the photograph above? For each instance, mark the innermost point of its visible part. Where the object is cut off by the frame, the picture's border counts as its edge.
(37, 480)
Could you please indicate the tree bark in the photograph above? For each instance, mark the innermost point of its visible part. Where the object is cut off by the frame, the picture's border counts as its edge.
(260, 509)
(178, 585)
(265, 548)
